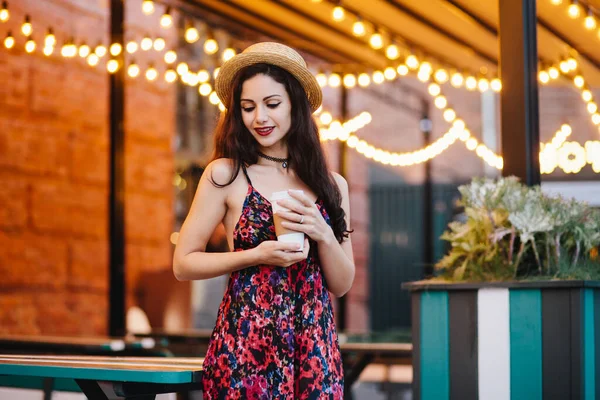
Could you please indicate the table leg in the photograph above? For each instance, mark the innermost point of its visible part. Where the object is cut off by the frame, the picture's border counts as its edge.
(91, 389)
(352, 372)
(48, 384)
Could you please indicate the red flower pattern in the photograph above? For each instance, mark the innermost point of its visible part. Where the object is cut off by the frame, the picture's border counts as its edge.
(275, 334)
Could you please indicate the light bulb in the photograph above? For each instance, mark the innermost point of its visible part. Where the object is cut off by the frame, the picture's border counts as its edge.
(364, 80)
(48, 50)
(50, 39)
(441, 75)
(321, 79)
(112, 66)
(349, 81)
(147, 7)
(30, 45)
(392, 52)
(100, 51)
(151, 73)
(214, 98)
(4, 13)
(574, 10)
(93, 60)
(205, 89)
(389, 73)
(115, 49)
(334, 80)
(203, 76)
(146, 43)
(166, 20)
(170, 57)
(358, 28)
(159, 44)
(376, 41)
(412, 62)
(191, 34)
(496, 85)
(402, 70)
(579, 81)
(182, 68)
(84, 50)
(378, 77)
(211, 46)
(338, 14)
(133, 70)
(228, 54)
(170, 75)
(131, 47)
(26, 28)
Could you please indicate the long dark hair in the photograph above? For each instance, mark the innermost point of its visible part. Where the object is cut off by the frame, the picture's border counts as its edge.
(234, 141)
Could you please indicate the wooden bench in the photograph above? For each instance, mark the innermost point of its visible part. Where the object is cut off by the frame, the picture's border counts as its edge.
(106, 377)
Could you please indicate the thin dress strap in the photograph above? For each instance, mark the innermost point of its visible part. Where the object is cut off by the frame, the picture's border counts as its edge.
(246, 175)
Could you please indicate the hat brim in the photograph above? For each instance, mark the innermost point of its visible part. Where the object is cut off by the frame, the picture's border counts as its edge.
(229, 70)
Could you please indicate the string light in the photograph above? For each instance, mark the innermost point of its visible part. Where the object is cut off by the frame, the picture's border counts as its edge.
(69, 50)
(349, 81)
(191, 33)
(338, 14)
(151, 73)
(159, 44)
(216, 72)
(364, 80)
(471, 83)
(30, 45)
(392, 52)
(457, 80)
(326, 118)
(100, 50)
(131, 47)
(48, 50)
(590, 21)
(376, 41)
(170, 75)
(84, 50)
(27, 28)
(4, 13)
(116, 49)
(228, 54)
(334, 80)
(213, 98)
(205, 89)
(146, 43)
(211, 46)
(148, 7)
(166, 20)
(203, 76)
(412, 62)
(402, 70)
(321, 79)
(358, 28)
(441, 76)
(182, 68)
(574, 10)
(112, 66)
(390, 73)
(93, 60)
(50, 39)
(170, 57)
(378, 77)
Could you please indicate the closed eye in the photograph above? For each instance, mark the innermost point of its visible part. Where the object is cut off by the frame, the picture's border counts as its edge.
(275, 105)
(248, 109)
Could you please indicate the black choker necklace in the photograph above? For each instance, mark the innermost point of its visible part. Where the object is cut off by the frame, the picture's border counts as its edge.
(283, 161)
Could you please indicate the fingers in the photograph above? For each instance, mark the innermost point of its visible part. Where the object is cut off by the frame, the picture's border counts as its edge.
(301, 197)
(295, 206)
(291, 216)
(294, 226)
(287, 246)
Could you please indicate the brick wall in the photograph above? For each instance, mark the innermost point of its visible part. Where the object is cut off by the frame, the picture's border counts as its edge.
(54, 142)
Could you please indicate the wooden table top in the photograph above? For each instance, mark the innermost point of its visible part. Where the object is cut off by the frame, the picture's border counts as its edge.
(165, 370)
(109, 343)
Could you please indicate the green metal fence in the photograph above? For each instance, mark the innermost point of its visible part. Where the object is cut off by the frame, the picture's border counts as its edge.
(396, 247)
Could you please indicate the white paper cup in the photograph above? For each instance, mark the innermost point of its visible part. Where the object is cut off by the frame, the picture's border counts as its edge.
(283, 234)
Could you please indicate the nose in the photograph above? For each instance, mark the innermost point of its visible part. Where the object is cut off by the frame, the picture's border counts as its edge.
(261, 114)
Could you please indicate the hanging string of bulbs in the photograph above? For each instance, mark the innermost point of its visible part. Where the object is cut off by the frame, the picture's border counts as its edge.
(575, 11)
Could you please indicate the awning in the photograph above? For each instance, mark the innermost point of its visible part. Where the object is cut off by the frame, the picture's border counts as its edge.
(460, 34)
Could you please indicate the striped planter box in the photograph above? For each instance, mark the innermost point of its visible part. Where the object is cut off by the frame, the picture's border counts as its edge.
(502, 341)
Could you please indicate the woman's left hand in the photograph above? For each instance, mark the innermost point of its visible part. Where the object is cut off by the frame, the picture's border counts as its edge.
(305, 217)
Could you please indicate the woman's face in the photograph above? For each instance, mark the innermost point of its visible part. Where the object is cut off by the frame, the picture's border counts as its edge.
(266, 109)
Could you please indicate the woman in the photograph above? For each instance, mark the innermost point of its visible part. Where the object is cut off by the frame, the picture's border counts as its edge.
(275, 335)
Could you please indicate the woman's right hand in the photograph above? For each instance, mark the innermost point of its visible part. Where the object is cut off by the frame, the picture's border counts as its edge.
(272, 252)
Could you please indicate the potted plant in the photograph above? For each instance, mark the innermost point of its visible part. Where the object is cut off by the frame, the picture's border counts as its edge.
(514, 311)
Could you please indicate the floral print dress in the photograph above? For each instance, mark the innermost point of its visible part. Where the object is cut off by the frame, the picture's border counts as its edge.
(275, 335)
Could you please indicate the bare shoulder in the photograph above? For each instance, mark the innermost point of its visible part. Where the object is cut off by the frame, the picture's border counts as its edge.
(341, 182)
(219, 170)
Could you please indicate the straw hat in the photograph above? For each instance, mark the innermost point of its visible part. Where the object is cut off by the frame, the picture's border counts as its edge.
(274, 54)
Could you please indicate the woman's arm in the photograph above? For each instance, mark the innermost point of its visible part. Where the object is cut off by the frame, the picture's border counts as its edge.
(190, 260)
(337, 260)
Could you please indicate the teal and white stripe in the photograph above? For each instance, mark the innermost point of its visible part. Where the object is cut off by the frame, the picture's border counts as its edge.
(507, 343)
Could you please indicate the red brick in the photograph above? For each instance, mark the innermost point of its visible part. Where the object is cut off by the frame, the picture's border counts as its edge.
(157, 108)
(34, 147)
(91, 310)
(142, 258)
(89, 158)
(148, 218)
(88, 264)
(15, 74)
(71, 208)
(55, 317)
(18, 314)
(32, 260)
(149, 168)
(13, 202)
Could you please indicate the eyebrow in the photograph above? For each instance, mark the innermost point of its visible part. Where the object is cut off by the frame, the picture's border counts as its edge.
(266, 98)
